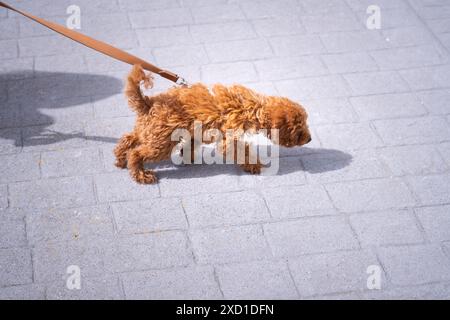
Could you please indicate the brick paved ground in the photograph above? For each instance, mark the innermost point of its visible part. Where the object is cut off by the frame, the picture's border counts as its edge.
(372, 189)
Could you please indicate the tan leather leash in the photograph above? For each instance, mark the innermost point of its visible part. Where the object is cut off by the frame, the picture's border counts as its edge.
(101, 46)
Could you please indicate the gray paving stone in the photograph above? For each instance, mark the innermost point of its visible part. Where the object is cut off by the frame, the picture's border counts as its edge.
(421, 292)
(214, 246)
(186, 283)
(445, 40)
(58, 115)
(4, 92)
(102, 288)
(119, 186)
(349, 62)
(108, 130)
(51, 9)
(279, 26)
(184, 55)
(378, 194)
(10, 115)
(435, 101)
(444, 149)
(296, 45)
(23, 292)
(60, 63)
(160, 18)
(359, 5)
(310, 235)
(238, 50)
(53, 137)
(284, 171)
(148, 251)
(10, 29)
(8, 49)
(394, 227)
(435, 221)
(28, 29)
(314, 7)
(344, 272)
(12, 69)
(387, 106)
(44, 46)
(435, 12)
(45, 225)
(297, 201)
(327, 111)
(256, 280)
(413, 160)
(439, 25)
(71, 162)
(336, 167)
(234, 72)
(149, 216)
(200, 3)
(52, 193)
(313, 88)
(3, 196)
(114, 106)
(403, 58)
(225, 209)
(432, 189)
(195, 179)
(52, 259)
(375, 83)
(137, 5)
(407, 36)
(15, 266)
(413, 130)
(330, 22)
(19, 167)
(207, 33)
(267, 9)
(352, 41)
(12, 232)
(351, 136)
(285, 68)
(409, 265)
(217, 13)
(427, 78)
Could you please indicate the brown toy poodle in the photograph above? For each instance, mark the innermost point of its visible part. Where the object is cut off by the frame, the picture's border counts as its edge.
(224, 108)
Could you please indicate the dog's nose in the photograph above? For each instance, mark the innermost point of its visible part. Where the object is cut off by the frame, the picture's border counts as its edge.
(309, 140)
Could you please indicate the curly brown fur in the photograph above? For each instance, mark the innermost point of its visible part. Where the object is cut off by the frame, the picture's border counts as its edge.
(234, 107)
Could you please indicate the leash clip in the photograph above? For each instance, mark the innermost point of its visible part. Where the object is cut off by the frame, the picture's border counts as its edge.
(182, 82)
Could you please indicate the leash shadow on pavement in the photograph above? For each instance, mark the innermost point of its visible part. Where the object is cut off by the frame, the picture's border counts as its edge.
(35, 103)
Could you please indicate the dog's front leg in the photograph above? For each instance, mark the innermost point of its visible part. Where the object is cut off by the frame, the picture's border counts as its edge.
(242, 154)
(126, 143)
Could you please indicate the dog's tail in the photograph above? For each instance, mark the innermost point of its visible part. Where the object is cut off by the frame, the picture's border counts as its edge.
(136, 100)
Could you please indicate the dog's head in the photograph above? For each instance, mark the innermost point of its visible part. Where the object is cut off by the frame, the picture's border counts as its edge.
(290, 119)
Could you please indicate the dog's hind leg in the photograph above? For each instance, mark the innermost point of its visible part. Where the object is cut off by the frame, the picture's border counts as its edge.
(146, 153)
(126, 143)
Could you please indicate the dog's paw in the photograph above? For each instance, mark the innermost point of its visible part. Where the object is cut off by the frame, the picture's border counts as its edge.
(252, 168)
(145, 177)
